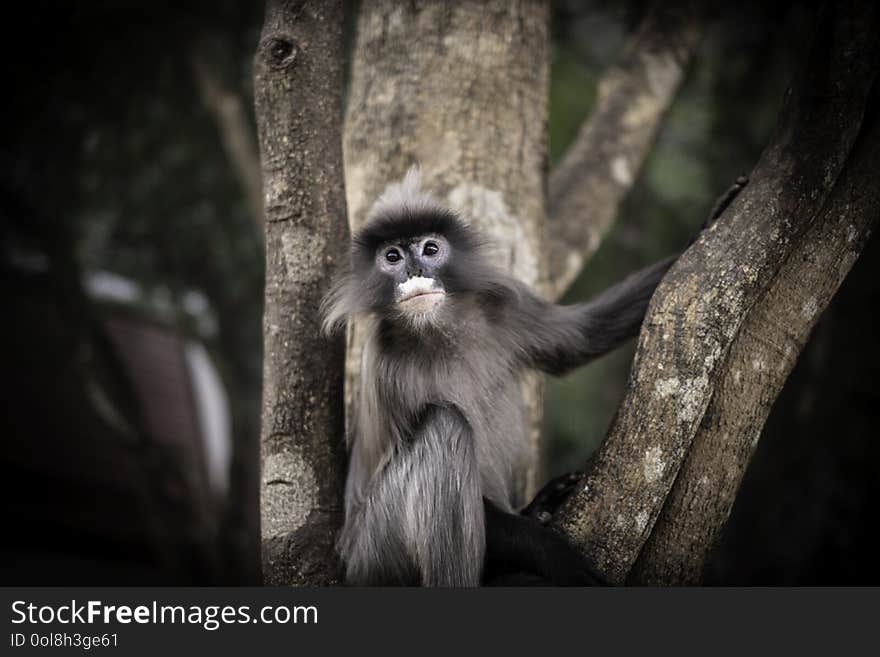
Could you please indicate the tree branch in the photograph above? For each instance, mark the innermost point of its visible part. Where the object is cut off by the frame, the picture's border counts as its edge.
(698, 310)
(760, 360)
(600, 167)
(298, 93)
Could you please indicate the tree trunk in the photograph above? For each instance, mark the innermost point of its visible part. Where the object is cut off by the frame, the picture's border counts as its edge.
(298, 90)
(722, 329)
(426, 82)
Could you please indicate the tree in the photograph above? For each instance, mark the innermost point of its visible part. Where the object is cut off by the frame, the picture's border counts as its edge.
(298, 96)
(729, 318)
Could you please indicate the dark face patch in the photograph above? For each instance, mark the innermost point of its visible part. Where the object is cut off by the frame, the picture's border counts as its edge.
(406, 224)
(424, 256)
(429, 244)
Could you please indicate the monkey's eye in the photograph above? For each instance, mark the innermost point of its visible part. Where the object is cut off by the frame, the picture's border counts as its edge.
(392, 255)
(430, 248)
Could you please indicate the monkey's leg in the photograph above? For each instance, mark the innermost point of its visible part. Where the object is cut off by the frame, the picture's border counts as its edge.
(522, 552)
(421, 521)
(444, 504)
(372, 543)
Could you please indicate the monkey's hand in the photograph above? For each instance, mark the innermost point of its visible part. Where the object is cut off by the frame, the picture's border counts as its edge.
(720, 206)
(725, 200)
(550, 497)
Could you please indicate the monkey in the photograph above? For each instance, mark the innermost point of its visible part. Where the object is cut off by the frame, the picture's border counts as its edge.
(438, 435)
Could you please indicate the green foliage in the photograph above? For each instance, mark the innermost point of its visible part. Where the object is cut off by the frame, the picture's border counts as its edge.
(714, 131)
(572, 97)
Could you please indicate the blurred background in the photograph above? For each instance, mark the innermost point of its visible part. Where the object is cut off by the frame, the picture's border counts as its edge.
(131, 267)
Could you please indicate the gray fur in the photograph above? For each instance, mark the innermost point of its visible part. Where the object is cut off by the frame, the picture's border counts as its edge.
(415, 523)
(439, 423)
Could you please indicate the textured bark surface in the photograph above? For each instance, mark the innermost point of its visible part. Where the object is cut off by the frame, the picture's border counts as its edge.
(461, 89)
(298, 86)
(600, 167)
(685, 349)
(766, 349)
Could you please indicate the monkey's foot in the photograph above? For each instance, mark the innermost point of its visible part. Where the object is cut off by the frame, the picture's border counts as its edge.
(550, 497)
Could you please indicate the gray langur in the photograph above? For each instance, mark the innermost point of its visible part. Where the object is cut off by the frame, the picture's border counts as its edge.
(439, 434)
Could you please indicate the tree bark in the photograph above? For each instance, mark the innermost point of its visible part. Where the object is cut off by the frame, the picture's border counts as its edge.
(760, 360)
(707, 319)
(601, 166)
(298, 90)
(461, 89)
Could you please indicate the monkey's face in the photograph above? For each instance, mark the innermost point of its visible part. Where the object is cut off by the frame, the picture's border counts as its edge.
(415, 268)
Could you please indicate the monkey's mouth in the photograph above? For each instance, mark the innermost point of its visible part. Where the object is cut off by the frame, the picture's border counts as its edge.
(422, 291)
(436, 294)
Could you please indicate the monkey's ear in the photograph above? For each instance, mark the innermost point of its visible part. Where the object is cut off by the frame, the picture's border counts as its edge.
(341, 302)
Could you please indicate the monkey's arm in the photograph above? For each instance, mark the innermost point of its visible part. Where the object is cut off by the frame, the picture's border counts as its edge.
(560, 338)
(556, 338)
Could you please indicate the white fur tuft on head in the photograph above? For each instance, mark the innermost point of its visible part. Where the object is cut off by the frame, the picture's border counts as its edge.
(406, 194)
